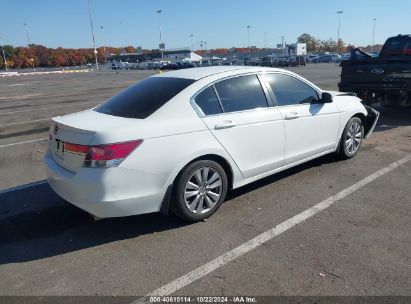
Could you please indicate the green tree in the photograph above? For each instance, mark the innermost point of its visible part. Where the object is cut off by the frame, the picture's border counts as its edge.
(341, 46)
(329, 45)
(312, 43)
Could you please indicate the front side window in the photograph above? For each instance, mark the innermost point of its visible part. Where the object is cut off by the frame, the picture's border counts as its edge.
(144, 98)
(241, 93)
(397, 46)
(208, 102)
(290, 91)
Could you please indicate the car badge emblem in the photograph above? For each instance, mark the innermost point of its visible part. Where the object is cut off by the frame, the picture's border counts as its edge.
(377, 71)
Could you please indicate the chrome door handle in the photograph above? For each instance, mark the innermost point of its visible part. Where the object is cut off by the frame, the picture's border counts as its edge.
(226, 124)
(291, 115)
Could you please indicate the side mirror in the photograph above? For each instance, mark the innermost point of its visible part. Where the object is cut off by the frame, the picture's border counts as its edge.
(326, 97)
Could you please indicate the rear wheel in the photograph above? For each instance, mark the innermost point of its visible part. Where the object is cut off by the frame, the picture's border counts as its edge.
(351, 138)
(199, 190)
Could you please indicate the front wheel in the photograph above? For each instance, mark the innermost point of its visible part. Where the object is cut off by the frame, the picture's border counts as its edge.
(199, 190)
(351, 138)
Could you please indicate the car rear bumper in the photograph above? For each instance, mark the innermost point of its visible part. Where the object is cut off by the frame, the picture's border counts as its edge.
(370, 121)
(108, 192)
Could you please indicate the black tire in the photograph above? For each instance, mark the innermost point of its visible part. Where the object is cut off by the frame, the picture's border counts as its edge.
(345, 150)
(181, 204)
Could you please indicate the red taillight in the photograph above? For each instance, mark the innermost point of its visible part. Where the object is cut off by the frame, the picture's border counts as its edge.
(109, 155)
(75, 148)
(111, 151)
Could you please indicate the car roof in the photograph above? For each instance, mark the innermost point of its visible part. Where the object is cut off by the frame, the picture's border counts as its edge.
(202, 72)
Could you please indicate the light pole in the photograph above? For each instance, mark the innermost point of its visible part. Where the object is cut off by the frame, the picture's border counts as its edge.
(4, 56)
(92, 33)
(28, 43)
(104, 49)
(265, 40)
(192, 46)
(339, 24)
(161, 38)
(373, 33)
(248, 40)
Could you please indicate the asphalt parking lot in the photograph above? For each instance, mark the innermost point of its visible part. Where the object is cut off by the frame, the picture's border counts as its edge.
(360, 244)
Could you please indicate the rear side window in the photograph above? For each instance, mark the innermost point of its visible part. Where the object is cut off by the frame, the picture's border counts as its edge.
(208, 102)
(290, 91)
(397, 47)
(241, 93)
(144, 98)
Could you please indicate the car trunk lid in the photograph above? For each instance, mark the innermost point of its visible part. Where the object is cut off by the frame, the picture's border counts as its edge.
(61, 136)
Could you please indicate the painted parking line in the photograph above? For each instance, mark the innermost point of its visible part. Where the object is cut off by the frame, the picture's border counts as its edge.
(24, 122)
(46, 108)
(22, 142)
(266, 236)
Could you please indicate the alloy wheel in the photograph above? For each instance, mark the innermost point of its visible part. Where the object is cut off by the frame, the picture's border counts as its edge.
(353, 138)
(203, 190)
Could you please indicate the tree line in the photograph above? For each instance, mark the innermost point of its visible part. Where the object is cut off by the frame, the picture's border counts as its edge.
(315, 45)
(41, 56)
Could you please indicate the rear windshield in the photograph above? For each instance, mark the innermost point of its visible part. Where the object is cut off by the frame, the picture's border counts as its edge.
(144, 98)
(398, 46)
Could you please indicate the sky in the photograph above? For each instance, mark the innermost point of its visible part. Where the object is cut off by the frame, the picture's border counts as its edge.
(222, 23)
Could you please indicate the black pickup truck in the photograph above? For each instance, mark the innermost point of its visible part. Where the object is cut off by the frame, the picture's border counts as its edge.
(383, 80)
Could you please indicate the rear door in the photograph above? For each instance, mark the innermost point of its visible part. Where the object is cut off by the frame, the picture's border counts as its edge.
(238, 114)
(310, 127)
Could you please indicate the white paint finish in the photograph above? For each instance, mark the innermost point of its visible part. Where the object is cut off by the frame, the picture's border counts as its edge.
(268, 235)
(175, 135)
(314, 129)
(113, 192)
(22, 142)
(256, 140)
(171, 153)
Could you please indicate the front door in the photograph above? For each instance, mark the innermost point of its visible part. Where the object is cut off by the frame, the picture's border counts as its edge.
(237, 113)
(311, 127)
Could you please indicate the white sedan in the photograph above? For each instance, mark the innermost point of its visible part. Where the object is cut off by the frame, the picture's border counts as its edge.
(179, 140)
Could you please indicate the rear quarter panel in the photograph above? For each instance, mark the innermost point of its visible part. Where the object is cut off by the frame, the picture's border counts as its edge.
(170, 154)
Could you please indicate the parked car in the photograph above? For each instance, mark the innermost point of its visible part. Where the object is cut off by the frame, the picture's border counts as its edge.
(385, 79)
(268, 61)
(216, 62)
(342, 58)
(205, 63)
(312, 58)
(324, 58)
(185, 65)
(281, 62)
(180, 140)
(169, 66)
(296, 60)
(238, 62)
(252, 61)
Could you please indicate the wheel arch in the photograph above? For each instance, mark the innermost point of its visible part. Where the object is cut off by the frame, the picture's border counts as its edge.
(223, 162)
(360, 116)
(218, 159)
